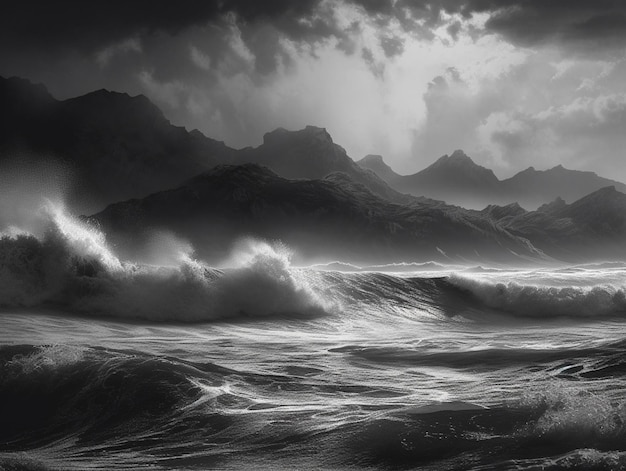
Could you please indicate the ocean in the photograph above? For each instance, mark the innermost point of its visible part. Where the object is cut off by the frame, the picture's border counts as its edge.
(257, 364)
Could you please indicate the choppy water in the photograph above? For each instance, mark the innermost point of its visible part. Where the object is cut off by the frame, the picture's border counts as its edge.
(109, 365)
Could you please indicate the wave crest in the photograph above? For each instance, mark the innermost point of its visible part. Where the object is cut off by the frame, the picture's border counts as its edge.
(71, 267)
(544, 301)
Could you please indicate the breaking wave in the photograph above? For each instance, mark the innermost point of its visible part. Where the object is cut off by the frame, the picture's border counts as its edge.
(533, 300)
(71, 267)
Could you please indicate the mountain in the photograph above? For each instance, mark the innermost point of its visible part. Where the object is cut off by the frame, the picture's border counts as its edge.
(454, 172)
(535, 187)
(323, 220)
(116, 146)
(457, 180)
(454, 178)
(376, 164)
(310, 153)
(591, 228)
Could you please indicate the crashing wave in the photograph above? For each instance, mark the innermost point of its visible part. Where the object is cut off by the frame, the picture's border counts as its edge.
(71, 267)
(544, 301)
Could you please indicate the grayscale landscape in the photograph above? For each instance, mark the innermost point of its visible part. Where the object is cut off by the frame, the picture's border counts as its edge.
(328, 234)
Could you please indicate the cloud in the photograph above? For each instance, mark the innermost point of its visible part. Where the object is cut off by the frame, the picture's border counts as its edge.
(129, 45)
(587, 133)
(454, 112)
(410, 80)
(87, 27)
(578, 26)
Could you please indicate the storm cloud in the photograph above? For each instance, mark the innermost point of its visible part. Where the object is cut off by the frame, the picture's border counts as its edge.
(409, 79)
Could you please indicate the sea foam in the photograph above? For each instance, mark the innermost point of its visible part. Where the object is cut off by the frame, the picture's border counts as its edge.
(71, 266)
(539, 300)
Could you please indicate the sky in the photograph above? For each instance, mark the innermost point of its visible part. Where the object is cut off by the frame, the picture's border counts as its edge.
(514, 83)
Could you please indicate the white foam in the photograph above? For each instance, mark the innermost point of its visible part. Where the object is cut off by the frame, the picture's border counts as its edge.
(72, 266)
(544, 300)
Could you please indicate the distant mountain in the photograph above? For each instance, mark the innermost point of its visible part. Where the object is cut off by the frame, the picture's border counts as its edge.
(591, 228)
(310, 153)
(119, 147)
(535, 187)
(116, 146)
(453, 173)
(376, 164)
(456, 179)
(334, 218)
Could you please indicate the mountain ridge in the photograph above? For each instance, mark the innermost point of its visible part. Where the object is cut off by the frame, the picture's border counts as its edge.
(459, 180)
(122, 147)
(327, 219)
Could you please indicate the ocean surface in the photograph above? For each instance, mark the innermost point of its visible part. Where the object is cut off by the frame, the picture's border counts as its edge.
(108, 364)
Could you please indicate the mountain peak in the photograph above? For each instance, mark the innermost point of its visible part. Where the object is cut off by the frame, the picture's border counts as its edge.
(315, 129)
(106, 101)
(279, 135)
(457, 162)
(603, 210)
(376, 164)
(373, 159)
(457, 159)
(459, 155)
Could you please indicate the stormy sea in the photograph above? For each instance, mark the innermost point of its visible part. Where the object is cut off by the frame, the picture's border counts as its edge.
(258, 364)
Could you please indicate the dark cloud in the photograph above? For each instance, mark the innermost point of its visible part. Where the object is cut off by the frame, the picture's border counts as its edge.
(581, 26)
(58, 29)
(87, 26)
(392, 45)
(91, 25)
(375, 66)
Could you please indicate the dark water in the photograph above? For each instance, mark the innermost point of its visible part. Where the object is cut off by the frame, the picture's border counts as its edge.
(107, 365)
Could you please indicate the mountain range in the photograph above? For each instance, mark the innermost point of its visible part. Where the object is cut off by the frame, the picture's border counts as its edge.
(457, 179)
(121, 147)
(338, 218)
(136, 173)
